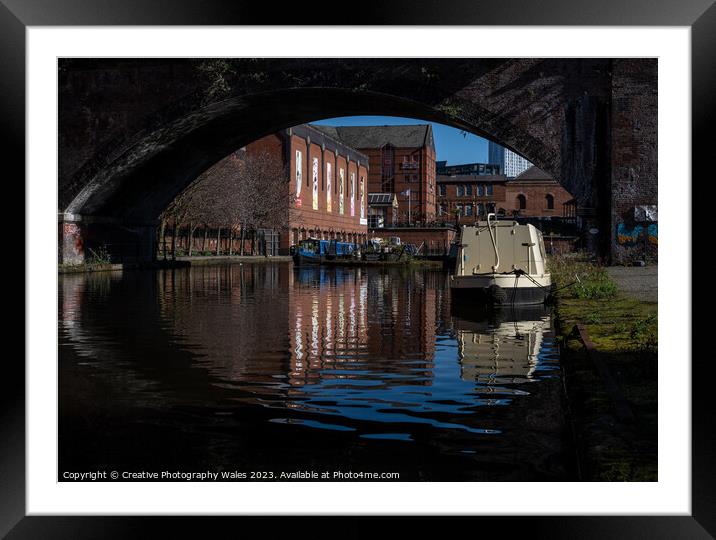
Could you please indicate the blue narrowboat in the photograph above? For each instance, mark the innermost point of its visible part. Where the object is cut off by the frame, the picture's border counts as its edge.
(314, 251)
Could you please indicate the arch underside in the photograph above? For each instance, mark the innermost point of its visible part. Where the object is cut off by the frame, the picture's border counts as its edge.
(133, 133)
(137, 182)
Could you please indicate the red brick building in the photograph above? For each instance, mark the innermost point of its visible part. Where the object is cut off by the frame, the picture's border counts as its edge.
(468, 198)
(531, 194)
(329, 181)
(534, 193)
(402, 161)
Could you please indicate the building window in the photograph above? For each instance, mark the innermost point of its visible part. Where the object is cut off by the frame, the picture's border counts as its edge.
(550, 201)
(481, 209)
(468, 190)
(442, 190)
(521, 202)
(488, 189)
(480, 190)
(460, 190)
(388, 169)
(441, 210)
(459, 209)
(468, 209)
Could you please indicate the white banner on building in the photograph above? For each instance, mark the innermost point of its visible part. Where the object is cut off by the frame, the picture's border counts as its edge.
(353, 194)
(341, 188)
(328, 187)
(299, 177)
(362, 199)
(315, 183)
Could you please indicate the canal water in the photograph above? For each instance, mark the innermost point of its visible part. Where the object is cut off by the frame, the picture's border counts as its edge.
(267, 368)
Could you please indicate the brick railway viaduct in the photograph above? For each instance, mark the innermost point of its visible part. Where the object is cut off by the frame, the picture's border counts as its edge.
(133, 133)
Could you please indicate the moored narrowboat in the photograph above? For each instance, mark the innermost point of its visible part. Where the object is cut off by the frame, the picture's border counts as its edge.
(315, 251)
(500, 262)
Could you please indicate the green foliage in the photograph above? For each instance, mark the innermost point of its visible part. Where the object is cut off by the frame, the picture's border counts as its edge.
(99, 257)
(216, 73)
(645, 333)
(596, 288)
(449, 109)
(614, 322)
(620, 328)
(593, 282)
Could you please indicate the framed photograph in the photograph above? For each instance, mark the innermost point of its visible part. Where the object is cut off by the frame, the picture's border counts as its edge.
(406, 265)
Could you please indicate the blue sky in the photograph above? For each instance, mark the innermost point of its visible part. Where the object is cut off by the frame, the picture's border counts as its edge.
(450, 143)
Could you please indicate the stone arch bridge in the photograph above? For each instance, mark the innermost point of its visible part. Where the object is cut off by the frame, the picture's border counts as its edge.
(133, 133)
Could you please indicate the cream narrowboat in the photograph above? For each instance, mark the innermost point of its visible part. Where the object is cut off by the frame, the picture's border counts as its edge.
(500, 262)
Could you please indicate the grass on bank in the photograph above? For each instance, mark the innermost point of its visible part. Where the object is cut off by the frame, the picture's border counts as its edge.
(97, 260)
(615, 322)
(624, 332)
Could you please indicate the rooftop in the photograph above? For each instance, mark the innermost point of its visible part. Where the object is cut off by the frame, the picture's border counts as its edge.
(321, 137)
(401, 136)
(381, 199)
(533, 173)
(469, 178)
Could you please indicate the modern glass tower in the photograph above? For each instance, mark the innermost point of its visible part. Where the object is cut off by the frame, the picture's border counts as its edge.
(510, 163)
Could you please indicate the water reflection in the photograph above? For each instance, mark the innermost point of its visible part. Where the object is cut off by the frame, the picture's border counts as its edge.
(507, 350)
(364, 367)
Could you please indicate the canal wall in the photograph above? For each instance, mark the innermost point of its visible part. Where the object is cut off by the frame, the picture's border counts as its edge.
(179, 262)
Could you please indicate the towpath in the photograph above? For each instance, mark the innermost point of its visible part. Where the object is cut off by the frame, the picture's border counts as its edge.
(639, 282)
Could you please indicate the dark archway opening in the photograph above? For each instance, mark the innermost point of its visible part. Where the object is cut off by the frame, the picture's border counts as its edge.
(136, 185)
(122, 198)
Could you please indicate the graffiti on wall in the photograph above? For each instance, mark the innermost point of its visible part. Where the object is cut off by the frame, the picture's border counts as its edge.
(637, 234)
(72, 237)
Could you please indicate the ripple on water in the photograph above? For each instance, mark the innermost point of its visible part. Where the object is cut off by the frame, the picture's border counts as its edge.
(376, 354)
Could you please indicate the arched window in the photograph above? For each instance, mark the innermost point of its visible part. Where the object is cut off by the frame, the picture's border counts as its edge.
(550, 201)
(521, 202)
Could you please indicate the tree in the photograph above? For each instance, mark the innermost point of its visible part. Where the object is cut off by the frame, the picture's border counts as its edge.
(243, 192)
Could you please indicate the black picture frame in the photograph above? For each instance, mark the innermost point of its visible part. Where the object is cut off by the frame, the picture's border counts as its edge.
(17, 15)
